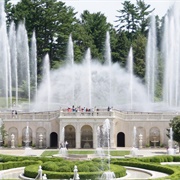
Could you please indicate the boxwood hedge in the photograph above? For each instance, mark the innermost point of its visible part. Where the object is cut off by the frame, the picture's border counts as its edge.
(59, 168)
(64, 170)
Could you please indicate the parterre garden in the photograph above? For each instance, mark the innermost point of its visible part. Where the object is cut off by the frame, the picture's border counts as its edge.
(59, 168)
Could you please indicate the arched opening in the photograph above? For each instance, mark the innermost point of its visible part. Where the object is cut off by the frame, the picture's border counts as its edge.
(70, 136)
(12, 131)
(154, 136)
(27, 136)
(53, 140)
(86, 137)
(120, 139)
(41, 137)
(141, 131)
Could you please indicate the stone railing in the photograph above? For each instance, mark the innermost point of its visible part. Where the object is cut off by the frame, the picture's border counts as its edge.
(100, 113)
(145, 116)
(49, 115)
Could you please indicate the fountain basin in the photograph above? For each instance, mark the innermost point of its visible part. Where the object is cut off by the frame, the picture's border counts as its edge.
(139, 173)
(28, 151)
(11, 173)
(132, 173)
(130, 156)
(79, 156)
(133, 153)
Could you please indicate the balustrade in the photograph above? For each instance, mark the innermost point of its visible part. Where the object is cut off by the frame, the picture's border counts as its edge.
(127, 116)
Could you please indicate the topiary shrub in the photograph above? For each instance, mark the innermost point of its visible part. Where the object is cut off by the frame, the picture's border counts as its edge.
(64, 168)
(86, 170)
(156, 159)
(58, 168)
(83, 168)
(31, 171)
(168, 158)
(93, 169)
(50, 166)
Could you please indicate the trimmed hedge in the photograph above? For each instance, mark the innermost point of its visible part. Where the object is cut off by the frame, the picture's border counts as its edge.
(153, 163)
(6, 158)
(176, 158)
(31, 171)
(94, 167)
(158, 159)
(154, 167)
(11, 164)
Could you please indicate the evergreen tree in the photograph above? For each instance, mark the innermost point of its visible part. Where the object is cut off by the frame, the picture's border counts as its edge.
(139, 48)
(96, 27)
(122, 48)
(175, 124)
(143, 16)
(52, 21)
(128, 19)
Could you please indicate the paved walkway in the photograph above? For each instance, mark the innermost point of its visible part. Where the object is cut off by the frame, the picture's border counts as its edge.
(22, 152)
(37, 152)
(146, 152)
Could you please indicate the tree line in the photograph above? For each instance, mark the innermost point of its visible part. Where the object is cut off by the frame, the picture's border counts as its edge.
(53, 22)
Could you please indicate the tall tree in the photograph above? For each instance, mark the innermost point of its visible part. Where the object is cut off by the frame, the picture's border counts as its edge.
(134, 23)
(82, 41)
(96, 26)
(139, 47)
(116, 47)
(128, 18)
(134, 17)
(121, 49)
(143, 15)
(52, 21)
(175, 124)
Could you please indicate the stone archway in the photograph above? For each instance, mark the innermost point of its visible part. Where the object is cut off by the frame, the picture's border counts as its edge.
(13, 130)
(86, 137)
(53, 140)
(120, 139)
(141, 131)
(26, 130)
(70, 136)
(41, 133)
(154, 136)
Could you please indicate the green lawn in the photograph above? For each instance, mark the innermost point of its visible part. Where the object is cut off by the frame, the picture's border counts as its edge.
(112, 152)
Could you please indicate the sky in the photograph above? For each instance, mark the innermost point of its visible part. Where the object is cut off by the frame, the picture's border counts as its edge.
(109, 7)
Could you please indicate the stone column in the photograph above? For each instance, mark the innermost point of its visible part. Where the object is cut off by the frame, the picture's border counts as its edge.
(33, 137)
(95, 135)
(60, 133)
(48, 137)
(112, 145)
(78, 136)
